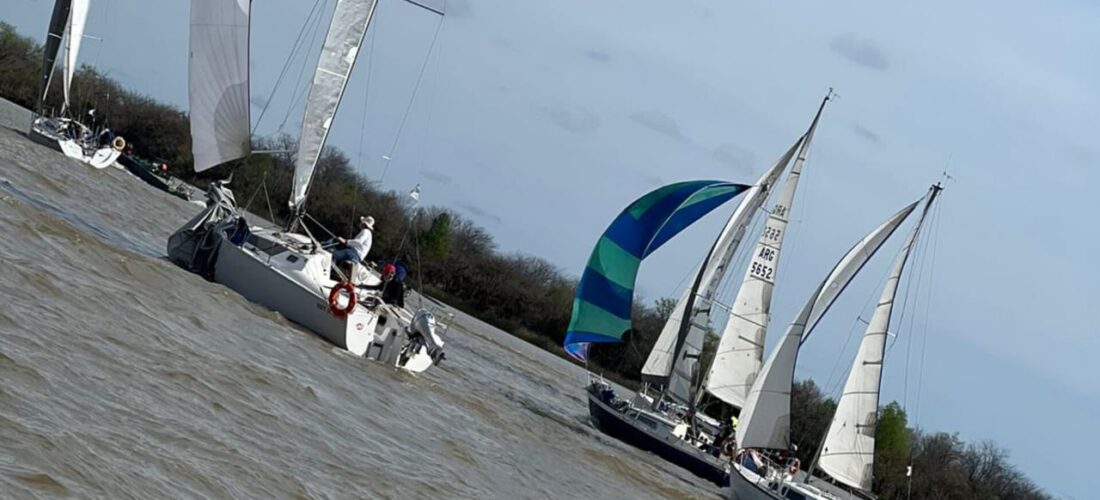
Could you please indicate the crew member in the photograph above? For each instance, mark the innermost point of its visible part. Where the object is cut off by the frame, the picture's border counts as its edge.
(357, 248)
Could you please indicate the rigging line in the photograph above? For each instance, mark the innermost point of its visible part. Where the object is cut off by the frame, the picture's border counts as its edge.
(435, 96)
(829, 386)
(267, 197)
(297, 95)
(286, 65)
(740, 262)
(927, 312)
(412, 99)
(256, 192)
(366, 97)
(913, 287)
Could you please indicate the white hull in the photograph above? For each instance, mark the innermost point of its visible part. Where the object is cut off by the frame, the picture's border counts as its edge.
(260, 282)
(297, 286)
(747, 485)
(99, 158)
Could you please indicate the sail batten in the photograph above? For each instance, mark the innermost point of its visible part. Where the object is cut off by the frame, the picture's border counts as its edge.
(218, 83)
(847, 452)
(345, 35)
(740, 352)
(766, 416)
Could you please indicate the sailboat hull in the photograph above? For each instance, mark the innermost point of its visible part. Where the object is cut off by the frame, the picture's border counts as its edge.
(47, 131)
(652, 434)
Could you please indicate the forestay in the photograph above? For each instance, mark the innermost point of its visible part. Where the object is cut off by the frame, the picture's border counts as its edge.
(766, 417)
(58, 23)
(338, 55)
(740, 351)
(605, 294)
(78, 16)
(218, 90)
(848, 451)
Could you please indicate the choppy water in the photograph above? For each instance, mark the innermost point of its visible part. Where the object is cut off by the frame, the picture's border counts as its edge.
(122, 376)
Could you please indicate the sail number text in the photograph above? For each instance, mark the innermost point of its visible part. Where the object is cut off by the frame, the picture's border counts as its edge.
(762, 271)
(772, 233)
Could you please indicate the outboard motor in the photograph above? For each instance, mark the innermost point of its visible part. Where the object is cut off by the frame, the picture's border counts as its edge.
(194, 246)
(422, 333)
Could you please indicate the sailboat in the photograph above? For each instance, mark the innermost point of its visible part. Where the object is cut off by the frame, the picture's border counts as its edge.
(285, 269)
(61, 131)
(847, 452)
(671, 422)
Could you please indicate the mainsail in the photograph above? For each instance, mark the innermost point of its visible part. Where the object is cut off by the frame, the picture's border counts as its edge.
(49, 50)
(338, 55)
(740, 351)
(659, 364)
(848, 452)
(218, 81)
(78, 15)
(766, 417)
(605, 294)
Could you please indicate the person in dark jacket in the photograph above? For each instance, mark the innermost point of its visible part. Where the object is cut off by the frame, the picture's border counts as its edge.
(393, 290)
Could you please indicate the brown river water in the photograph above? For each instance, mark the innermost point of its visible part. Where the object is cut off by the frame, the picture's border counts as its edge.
(123, 376)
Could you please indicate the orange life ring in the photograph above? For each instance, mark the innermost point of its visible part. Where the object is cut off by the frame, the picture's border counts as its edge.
(119, 143)
(795, 465)
(334, 299)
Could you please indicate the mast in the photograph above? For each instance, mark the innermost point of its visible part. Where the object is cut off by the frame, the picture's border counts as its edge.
(738, 357)
(54, 34)
(847, 452)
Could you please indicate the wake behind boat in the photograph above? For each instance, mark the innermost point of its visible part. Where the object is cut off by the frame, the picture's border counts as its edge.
(98, 148)
(286, 269)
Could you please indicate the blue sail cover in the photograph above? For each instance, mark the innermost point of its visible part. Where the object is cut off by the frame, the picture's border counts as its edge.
(605, 294)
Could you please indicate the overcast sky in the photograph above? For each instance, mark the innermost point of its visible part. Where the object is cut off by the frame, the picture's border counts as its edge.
(541, 120)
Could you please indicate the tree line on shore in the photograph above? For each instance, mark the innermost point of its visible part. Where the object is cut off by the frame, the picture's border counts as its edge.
(457, 261)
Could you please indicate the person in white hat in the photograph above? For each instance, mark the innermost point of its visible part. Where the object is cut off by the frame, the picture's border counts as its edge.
(357, 248)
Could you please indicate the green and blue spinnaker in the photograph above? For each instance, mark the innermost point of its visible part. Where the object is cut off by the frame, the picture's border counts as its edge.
(605, 293)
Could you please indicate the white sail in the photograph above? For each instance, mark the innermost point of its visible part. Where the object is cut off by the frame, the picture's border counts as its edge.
(218, 81)
(78, 16)
(766, 417)
(740, 351)
(659, 364)
(345, 35)
(848, 451)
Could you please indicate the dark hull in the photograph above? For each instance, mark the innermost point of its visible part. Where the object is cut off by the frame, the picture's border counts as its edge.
(658, 440)
(143, 170)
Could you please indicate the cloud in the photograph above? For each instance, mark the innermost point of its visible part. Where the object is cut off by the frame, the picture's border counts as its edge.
(598, 56)
(652, 180)
(479, 212)
(577, 120)
(741, 159)
(658, 122)
(437, 177)
(861, 51)
(258, 100)
(866, 133)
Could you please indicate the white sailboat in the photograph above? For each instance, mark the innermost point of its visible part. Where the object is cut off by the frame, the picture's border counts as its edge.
(63, 132)
(689, 436)
(847, 453)
(284, 270)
